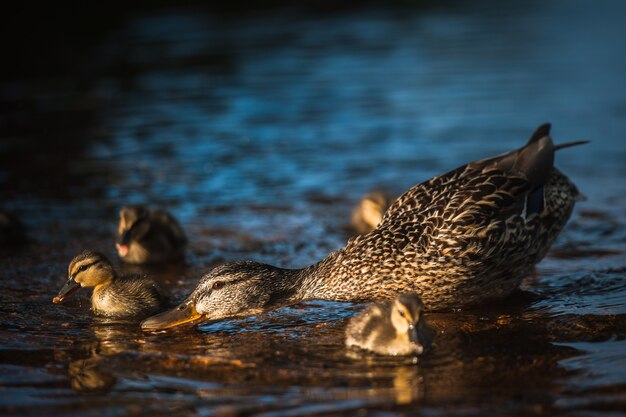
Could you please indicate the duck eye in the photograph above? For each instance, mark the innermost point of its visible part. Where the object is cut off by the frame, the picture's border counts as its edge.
(218, 284)
(401, 313)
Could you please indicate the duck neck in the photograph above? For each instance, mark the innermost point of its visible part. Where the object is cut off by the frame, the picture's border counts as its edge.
(291, 286)
(106, 282)
(310, 282)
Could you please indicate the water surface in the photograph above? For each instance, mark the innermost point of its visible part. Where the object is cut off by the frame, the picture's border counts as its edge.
(260, 131)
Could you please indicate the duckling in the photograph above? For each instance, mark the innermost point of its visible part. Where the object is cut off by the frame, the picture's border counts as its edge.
(458, 239)
(370, 210)
(394, 327)
(149, 236)
(12, 231)
(120, 297)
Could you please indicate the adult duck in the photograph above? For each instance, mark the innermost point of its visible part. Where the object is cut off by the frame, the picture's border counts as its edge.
(458, 239)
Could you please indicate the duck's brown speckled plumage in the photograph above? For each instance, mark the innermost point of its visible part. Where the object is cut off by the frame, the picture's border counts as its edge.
(463, 236)
(457, 239)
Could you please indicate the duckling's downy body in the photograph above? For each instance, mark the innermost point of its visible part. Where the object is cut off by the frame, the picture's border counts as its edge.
(394, 327)
(113, 296)
(370, 210)
(149, 236)
(457, 239)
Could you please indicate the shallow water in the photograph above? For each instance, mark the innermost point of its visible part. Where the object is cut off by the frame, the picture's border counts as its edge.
(260, 131)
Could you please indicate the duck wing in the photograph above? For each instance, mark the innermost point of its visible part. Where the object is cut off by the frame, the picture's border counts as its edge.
(140, 295)
(519, 174)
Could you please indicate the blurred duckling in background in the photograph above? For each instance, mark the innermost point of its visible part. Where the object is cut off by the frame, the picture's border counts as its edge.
(12, 231)
(395, 327)
(370, 210)
(120, 297)
(149, 236)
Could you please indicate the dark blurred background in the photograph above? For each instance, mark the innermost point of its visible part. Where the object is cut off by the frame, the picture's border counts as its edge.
(82, 82)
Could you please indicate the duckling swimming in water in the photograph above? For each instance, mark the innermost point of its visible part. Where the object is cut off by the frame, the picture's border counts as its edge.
(395, 327)
(370, 210)
(12, 231)
(458, 239)
(149, 236)
(120, 297)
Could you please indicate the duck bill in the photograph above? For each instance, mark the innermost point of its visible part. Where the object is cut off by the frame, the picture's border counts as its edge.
(123, 243)
(69, 288)
(183, 315)
(122, 249)
(418, 338)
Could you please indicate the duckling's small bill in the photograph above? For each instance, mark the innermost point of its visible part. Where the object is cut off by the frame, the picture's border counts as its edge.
(69, 288)
(184, 314)
(122, 249)
(419, 340)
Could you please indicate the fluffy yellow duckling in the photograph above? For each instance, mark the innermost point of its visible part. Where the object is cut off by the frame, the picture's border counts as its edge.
(113, 296)
(396, 327)
(369, 212)
(149, 236)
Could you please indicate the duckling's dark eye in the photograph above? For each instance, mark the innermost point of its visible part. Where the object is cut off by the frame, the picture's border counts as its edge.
(83, 268)
(401, 313)
(217, 285)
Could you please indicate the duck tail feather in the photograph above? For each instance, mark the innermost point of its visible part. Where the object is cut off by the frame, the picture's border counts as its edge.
(536, 159)
(540, 132)
(570, 144)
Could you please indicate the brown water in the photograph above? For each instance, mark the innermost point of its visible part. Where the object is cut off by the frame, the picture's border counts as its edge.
(259, 131)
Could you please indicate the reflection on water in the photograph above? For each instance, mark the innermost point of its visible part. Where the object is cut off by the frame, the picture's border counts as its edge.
(260, 131)
(88, 375)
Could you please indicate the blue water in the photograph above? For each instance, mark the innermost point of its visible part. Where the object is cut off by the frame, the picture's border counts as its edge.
(260, 131)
